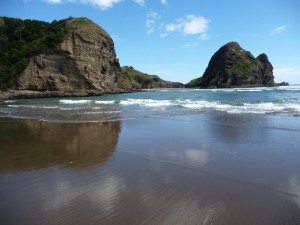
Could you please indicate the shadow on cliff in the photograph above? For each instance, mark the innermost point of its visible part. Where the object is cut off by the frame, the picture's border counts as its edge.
(29, 144)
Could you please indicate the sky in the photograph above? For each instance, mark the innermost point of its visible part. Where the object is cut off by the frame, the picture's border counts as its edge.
(175, 39)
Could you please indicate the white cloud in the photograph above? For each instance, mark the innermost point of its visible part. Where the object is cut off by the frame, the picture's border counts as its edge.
(102, 4)
(190, 25)
(280, 29)
(140, 2)
(195, 25)
(152, 18)
(53, 1)
(165, 2)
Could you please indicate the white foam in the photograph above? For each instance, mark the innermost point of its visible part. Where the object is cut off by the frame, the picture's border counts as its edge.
(268, 107)
(10, 101)
(249, 90)
(146, 102)
(105, 102)
(33, 106)
(103, 112)
(82, 101)
(289, 88)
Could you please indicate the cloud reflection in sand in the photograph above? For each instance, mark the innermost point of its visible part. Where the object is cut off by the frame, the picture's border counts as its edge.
(294, 188)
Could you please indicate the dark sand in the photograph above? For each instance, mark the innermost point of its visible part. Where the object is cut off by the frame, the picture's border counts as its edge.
(210, 169)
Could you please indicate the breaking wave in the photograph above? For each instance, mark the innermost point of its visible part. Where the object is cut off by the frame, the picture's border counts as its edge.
(233, 107)
(69, 102)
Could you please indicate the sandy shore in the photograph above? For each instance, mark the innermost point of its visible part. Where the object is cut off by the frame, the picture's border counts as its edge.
(211, 169)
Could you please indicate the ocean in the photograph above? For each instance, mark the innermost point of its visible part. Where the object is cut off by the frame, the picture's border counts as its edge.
(174, 156)
(282, 101)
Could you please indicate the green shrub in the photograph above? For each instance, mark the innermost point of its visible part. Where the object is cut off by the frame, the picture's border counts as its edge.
(22, 39)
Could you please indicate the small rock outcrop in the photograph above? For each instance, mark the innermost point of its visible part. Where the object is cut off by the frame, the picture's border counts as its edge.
(84, 63)
(232, 66)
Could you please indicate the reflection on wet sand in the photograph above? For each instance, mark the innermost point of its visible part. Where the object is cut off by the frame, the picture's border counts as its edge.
(27, 144)
(294, 188)
(237, 128)
(158, 174)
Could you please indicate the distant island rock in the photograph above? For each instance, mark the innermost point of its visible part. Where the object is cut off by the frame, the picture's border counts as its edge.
(70, 57)
(232, 66)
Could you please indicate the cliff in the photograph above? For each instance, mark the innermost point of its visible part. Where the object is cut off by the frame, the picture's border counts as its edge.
(71, 57)
(84, 63)
(232, 66)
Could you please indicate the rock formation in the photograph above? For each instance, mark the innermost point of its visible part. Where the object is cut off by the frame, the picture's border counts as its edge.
(84, 63)
(232, 66)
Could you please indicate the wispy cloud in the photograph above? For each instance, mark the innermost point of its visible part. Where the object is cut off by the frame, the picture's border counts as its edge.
(204, 37)
(165, 2)
(280, 29)
(53, 1)
(102, 4)
(164, 34)
(116, 38)
(190, 45)
(190, 25)
(140, 2)
(151, 21)
(173, 27)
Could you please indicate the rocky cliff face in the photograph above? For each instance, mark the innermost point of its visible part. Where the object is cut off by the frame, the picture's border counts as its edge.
(232, 66)
(84, 63)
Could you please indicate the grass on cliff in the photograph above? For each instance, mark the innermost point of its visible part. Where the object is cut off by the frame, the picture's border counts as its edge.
(82, 22)
(22, 39)
(143, 79)
(243, 67)
(195, 82)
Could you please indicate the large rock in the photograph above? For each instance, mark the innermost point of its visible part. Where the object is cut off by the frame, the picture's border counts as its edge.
(84, 63)
(232, 66)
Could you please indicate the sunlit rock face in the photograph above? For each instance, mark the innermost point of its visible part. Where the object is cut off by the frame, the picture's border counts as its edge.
(84, 62)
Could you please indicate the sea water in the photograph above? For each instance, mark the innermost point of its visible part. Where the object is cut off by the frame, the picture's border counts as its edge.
(284, 101)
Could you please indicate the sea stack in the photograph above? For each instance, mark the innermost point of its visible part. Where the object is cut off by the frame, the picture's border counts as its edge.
(232, 66)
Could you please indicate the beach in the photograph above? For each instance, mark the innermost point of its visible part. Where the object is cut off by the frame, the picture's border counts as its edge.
(210, 168)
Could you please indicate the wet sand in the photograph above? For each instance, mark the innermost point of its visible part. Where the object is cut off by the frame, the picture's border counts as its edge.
(208, 169)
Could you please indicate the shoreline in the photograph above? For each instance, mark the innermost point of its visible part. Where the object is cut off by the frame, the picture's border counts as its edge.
(28, 94)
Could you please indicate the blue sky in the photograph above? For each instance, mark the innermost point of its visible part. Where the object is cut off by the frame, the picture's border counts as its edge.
(175, 39)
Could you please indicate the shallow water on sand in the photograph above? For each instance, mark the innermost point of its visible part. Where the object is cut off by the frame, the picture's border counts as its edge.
(212, 168)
